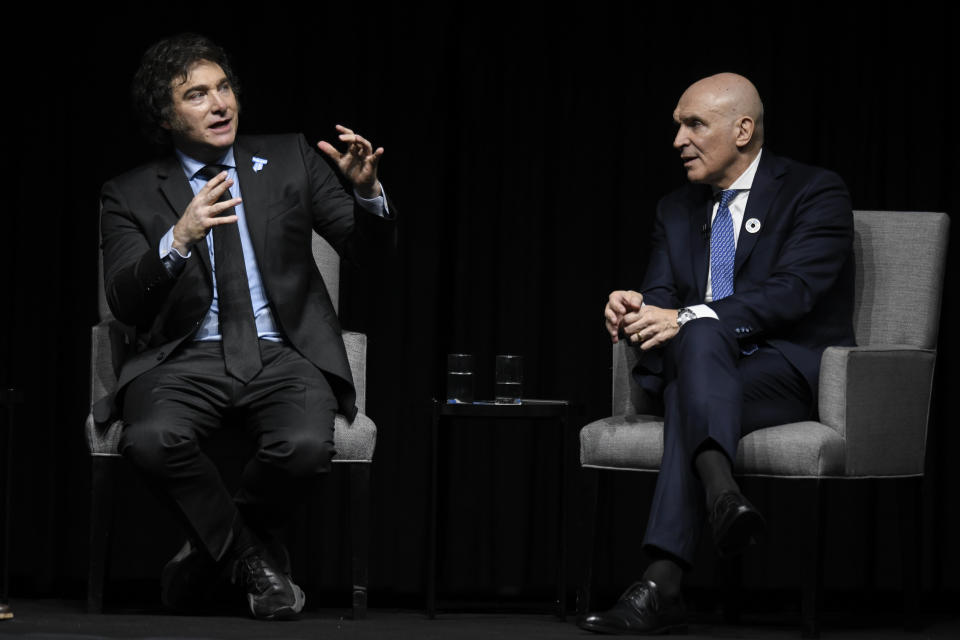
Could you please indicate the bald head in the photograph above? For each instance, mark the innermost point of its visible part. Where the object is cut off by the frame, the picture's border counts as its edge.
(720, 132)
(734, 96)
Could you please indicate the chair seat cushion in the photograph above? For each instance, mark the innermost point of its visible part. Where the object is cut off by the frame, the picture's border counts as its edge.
(354, 442)
(800, 449)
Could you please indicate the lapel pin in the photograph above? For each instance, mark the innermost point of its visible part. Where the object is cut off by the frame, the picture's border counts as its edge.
(258, 163)
(753, 225)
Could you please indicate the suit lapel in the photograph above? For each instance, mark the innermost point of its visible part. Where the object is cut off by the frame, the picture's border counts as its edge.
(253, 190)
(701, 207)
(174, 186)
(766, 184)
(176, 189)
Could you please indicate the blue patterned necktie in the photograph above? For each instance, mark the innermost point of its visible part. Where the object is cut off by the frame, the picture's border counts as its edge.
(723, 249)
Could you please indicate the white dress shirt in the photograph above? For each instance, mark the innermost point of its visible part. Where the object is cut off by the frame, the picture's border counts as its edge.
(737, 208)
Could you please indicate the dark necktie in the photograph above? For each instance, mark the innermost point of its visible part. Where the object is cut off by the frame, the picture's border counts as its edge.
(723, 249)
(238, 329)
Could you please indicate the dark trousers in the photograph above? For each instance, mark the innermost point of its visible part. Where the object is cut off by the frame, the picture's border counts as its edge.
(287, 410)
(713, 395)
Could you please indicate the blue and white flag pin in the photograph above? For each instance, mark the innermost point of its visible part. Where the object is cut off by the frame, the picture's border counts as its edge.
(258, 163)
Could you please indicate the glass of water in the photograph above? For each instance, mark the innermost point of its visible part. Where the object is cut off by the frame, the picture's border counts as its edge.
(509, 379)
(459, 378)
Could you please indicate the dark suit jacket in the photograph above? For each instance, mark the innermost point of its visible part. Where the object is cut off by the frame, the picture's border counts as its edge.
(793, 279)
(294, 193)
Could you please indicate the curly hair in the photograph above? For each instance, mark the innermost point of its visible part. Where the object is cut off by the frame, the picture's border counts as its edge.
(169, 60)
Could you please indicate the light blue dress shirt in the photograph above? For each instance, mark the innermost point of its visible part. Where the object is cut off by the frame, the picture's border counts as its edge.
(266, 327)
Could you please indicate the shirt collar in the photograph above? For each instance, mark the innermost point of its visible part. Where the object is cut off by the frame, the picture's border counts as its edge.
(191, 167)
(745, 181)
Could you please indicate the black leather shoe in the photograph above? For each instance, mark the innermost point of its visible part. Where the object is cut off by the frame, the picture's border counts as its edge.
(186, 578)
(271, 594)
(736, 524)
(641, 610)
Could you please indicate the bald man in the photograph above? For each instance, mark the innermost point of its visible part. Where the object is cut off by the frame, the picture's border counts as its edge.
(750, 279)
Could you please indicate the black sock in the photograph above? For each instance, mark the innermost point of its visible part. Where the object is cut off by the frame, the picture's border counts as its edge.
(244, 539)
(715, 473)
(667, 575)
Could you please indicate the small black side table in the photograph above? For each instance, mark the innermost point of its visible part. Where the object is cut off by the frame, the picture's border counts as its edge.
(556, 410)
(9, 398)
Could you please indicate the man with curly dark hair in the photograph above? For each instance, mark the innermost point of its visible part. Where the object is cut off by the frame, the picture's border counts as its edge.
(166, 60)
(207, 257)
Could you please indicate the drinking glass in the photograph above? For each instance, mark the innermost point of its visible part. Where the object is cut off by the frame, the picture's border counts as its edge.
(459, 378)
(509, 379)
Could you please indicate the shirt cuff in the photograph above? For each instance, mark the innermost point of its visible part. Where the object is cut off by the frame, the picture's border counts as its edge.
(377, 206)
(173, 260)
(703, 311)
(166, 246)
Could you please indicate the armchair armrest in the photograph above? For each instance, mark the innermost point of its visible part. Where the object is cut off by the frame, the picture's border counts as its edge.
(103, 360)
(356, 344)
(877, 398)
(107, 339)
(628, 398)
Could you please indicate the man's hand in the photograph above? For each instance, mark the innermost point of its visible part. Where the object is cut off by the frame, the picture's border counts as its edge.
(651, 326)
(203, 213)
(619, 304)
(358, 163)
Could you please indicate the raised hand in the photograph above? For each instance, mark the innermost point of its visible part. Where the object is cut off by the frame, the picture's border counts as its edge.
(358, 162)
(203, 213)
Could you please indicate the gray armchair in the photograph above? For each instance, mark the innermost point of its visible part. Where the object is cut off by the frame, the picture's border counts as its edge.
(874, 399)
(354, 442)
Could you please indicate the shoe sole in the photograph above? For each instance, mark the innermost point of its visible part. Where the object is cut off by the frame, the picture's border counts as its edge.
(748, 528)
(291, 612)
(679, 629)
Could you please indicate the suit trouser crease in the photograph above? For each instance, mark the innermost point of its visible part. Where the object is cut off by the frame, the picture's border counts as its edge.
(287, 411)
(713, 395)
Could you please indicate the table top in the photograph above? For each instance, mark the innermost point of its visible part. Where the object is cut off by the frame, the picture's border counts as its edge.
(526, 408)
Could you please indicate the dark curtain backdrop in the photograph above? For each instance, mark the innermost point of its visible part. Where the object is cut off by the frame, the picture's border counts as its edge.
(526, 147)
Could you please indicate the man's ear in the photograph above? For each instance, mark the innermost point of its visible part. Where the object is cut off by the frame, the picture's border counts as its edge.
(166, 125)
(745, 128)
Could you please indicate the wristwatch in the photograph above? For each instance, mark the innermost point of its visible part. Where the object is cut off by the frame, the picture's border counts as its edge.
(684, 316)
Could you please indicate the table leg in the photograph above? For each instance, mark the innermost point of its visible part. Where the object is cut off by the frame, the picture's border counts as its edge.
(562, 514)
(10, 397)
(432, 525)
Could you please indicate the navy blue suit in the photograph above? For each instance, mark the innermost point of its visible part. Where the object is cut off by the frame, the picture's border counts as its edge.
(793, 297)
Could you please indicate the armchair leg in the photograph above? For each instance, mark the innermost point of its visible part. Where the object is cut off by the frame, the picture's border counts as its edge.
(911, 512)
(588, 537)
(10, 398)
(101, 521)
(732, 570)
(813, 566)
(360, 536)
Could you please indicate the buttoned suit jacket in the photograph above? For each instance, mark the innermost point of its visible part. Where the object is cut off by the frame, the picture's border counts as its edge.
(293, 194)
(793, 277)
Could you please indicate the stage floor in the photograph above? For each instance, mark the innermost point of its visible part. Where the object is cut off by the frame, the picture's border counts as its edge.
(66, 619)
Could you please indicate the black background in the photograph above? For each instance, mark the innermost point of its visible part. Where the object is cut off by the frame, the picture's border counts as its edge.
(526, 146)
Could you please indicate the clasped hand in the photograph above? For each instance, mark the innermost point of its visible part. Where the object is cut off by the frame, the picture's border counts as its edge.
(358, 163)
(641, 323)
